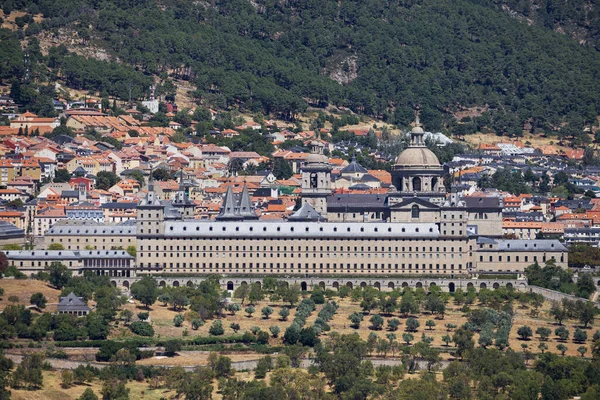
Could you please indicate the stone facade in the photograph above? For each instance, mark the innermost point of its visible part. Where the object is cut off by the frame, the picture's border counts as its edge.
(98, 237)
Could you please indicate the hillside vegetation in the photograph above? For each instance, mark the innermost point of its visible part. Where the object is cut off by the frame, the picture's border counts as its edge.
(279, 57)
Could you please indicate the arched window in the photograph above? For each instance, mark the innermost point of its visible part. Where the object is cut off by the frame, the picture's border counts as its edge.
(313, 180)
(417, 184)
(415, 211)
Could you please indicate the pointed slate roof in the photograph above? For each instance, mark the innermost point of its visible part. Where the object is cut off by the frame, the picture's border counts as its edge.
(72, 303)
(354, 167)
(306, 213)
(245, 205)
(237, 210)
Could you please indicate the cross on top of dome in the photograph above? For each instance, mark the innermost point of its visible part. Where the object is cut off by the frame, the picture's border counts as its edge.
(417, 133)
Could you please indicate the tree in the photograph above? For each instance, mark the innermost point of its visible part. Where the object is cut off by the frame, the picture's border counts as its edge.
(59, 274)
(178, 320)
(241, 292)
(250, 310)
(3, 264)
(178, 300)
(393, 324)
(62, 176)
(408, 304)
(97, 327)
(291, 294)
(145, 291)
(284, 313)
(412, 324)
(579, 336)
(29, 373)
(585, 285)
(161, 174)
(562, 348)
(274, 330)
(106, 179)
(292, 334)
(562, 333)
(114, 389)
(486, 337)
(88, 394)
(464, 341)
(131, 250)
(308, 337)
(172, 346)
(317, 295)
(262, 367)
(407, 337)
(282, 169)
(235, 327)
(216, 328)
(430, 324)
(138, 176)
(256, 294)
(38, 300)
(559, 313)
(449, 327)
(266, 311)
(447, 339)
(197, 323)
(543, 347)
(587, 312)
(164, 298)
(524, 332)
(233, 308)
(141, 328)
(66, 378)
(582, 350)
(376, 322)
(56, 246)
(543, 332)
(355, 318)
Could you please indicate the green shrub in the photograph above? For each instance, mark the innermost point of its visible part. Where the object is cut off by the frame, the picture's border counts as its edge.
(197, 323)
(141, 328)
(216, 328)
(178, 320)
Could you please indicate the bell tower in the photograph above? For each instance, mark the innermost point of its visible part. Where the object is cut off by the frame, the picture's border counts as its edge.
(316, 178)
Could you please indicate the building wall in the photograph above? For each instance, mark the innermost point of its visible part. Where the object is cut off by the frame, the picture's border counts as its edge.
(488, 223)
(304, 256)
(7, 174)
(514, 261)
(110, 267)
(97, 242)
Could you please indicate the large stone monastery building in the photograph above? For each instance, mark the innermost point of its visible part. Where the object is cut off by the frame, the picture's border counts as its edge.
(417, 229)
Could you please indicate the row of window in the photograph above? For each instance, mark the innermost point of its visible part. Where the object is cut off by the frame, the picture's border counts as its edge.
(305, 248)
(299, 255)
(270, 266)
(518, 258)
(292, 229)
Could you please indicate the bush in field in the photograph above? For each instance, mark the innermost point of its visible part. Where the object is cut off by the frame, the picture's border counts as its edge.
(141, 328)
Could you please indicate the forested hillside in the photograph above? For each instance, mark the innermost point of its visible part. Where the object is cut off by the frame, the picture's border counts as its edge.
(281, 56)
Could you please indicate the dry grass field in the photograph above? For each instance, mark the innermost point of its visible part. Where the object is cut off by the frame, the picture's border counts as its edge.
(24, 288)
(490, 138)
(162, 321)
(52, 390)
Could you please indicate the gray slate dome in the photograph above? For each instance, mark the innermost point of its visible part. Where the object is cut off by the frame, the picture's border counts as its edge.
(354, 167)
(316, 159)
(417, 157)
